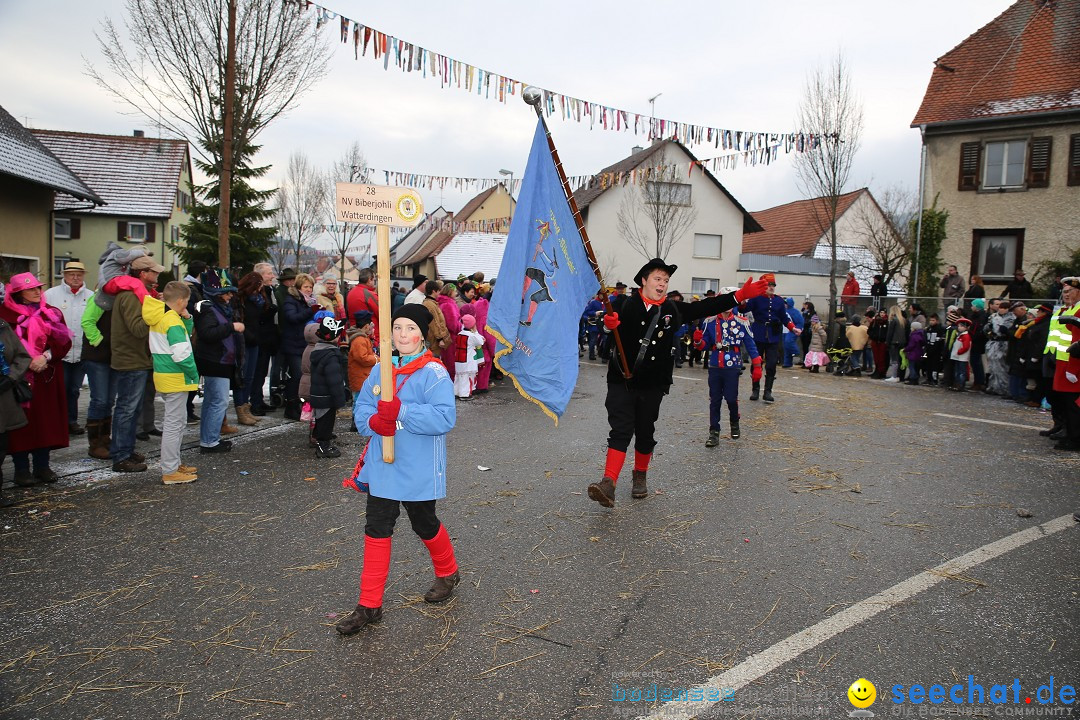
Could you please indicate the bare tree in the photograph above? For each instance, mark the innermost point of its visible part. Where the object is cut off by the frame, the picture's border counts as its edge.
(885, 229)
(830, 111)
(350, 167)
(655, 215)
(302, 200)
(169, 66)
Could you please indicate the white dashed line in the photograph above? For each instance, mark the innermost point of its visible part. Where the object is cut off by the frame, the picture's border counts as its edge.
(764, 662)
(988, 422)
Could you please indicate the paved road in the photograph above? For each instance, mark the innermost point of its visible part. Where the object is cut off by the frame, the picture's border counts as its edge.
(128, 599)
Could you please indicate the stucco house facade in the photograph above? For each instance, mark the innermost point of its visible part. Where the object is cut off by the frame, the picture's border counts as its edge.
(146, 185)
(706, 251)
(31, 177)
(1000, 123)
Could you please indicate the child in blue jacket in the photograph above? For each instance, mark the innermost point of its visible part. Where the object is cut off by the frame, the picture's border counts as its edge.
(418, 417)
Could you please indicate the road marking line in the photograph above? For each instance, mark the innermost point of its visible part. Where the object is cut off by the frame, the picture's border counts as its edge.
(989, 422)
(819, 397)
(703, 376)
(764, 662)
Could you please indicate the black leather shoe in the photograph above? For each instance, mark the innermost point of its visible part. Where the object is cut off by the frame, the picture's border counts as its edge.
(142, 435)
(129, 465)
(714, 438)
(223, 446)
(46, 475)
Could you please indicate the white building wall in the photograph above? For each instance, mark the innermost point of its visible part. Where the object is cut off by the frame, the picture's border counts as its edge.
(716, 215)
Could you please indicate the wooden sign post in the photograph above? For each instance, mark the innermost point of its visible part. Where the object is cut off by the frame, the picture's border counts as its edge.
(384, 207)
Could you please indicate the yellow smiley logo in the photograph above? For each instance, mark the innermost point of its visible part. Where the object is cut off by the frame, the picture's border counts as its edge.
(862, 693)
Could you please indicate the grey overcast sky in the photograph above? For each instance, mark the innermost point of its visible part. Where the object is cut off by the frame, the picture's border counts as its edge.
(716, 63)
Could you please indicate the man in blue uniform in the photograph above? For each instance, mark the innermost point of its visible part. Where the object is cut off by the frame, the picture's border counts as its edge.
(770, 318)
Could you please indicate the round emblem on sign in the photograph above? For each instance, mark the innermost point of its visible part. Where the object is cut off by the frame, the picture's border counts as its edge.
(409, 208)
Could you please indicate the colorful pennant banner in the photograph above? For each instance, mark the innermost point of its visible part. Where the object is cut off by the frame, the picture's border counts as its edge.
(450, 72)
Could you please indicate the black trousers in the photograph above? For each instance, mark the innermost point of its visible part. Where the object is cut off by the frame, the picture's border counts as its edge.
(1065, 411)
(382, 514)
(324, 426)
(632, 413)
(770, 353)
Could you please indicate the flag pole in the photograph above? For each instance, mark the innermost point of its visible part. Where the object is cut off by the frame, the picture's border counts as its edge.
(532, 96)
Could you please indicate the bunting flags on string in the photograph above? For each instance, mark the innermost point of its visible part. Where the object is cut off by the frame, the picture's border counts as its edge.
(450, 72)
(764, 155)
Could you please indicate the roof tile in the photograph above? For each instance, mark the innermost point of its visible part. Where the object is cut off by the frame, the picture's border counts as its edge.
(137, 176)
(24, 156)
(794, 228)
(1026, 60)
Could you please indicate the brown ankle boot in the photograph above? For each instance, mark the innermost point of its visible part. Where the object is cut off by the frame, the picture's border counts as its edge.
(226, 428)
(97, 439)
(355, 621)
(244, 416)
(639, 489)
(603, 492)
(442, 588)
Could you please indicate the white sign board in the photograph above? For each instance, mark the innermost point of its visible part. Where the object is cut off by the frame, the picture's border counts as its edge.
(378, 205)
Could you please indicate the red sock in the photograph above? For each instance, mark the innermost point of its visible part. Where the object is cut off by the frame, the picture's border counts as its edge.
(641, 461)
(442, 553)
(613, 466)
(376, 568)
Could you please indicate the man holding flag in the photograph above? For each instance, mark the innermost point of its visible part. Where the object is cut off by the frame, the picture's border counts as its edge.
(647, 320)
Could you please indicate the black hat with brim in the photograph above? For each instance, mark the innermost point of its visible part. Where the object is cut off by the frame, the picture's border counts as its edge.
(654, 264)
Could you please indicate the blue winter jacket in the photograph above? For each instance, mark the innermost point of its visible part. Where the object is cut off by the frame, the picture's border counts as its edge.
(295, 314)
(427, 414)
(770, 317)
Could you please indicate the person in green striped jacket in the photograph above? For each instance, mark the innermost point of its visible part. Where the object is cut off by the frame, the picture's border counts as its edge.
(175, 373)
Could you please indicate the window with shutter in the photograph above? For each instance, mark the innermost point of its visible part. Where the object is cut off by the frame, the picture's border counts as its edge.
(1074, 159)
(970, 156)
(1038, 169)
(1005, 164)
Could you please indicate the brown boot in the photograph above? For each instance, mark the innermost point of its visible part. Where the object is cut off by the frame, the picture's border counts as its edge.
(244, 416)
(96, 441)
(442, 588)
(639, 489)
(226, 428)
(603, 492)
(355, 621)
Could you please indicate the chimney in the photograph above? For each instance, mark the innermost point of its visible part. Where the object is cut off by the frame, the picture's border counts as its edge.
(636, 149)
(139, 133)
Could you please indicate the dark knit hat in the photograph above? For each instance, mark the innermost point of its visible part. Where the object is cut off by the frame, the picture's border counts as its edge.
(417, 313)
(362, 317)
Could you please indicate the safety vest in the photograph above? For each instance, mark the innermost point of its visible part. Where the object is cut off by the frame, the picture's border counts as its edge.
(1060, 337)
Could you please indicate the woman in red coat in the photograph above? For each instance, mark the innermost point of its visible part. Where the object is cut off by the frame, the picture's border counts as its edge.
(43, 333)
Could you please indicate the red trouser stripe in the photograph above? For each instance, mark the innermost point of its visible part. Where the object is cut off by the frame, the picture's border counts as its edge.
(376, 568)
(442, 553)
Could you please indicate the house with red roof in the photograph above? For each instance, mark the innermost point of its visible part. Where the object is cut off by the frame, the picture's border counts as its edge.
(145, 183)
(1000, 124)
(795, 245)
(706, 246)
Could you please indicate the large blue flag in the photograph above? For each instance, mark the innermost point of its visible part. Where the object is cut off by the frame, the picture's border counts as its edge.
(543, 285)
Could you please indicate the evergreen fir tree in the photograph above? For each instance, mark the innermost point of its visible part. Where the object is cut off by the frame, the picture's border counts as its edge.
(249, 242)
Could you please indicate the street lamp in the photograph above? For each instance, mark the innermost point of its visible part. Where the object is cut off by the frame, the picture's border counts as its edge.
(510, 190)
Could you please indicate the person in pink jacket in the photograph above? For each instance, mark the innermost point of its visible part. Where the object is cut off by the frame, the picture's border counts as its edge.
(42, 331)
(448, 304)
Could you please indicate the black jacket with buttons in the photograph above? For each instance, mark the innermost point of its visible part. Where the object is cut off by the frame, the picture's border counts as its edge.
(634, 320)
